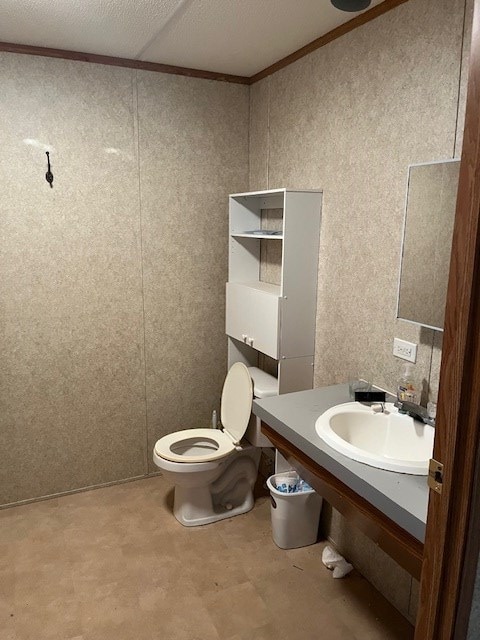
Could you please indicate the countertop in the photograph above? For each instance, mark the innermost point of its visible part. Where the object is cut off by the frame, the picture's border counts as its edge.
(401, 497)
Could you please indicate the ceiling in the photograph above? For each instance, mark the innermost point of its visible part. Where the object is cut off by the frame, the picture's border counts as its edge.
(239, 37)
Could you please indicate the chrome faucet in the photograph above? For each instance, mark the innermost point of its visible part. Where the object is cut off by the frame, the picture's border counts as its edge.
(378, 407)
(416, 411)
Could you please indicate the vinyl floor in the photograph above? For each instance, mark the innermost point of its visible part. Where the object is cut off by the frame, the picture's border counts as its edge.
(114, 564)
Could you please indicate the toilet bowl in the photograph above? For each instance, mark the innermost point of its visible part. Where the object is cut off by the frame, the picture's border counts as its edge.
(213, 471)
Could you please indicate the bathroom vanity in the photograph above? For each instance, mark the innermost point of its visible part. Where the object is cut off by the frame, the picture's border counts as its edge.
(389, 507)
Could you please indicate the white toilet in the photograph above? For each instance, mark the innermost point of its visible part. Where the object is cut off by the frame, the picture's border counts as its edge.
(213, 471)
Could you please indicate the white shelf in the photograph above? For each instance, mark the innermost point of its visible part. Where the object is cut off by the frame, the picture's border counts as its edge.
(268, 192)
(264, 287)
(271, 319)
(260, 236)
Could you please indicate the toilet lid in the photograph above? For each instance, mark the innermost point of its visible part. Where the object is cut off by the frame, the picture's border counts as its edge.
(237, 396)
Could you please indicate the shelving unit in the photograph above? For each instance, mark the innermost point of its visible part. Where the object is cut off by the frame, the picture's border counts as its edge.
(272, 287)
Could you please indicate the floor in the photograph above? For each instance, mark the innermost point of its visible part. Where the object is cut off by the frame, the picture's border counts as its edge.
(114, 564)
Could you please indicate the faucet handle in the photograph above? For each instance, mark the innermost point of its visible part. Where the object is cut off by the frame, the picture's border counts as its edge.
(416, 411)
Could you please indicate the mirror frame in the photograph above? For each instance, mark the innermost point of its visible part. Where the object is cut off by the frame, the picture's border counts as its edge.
(402, 245)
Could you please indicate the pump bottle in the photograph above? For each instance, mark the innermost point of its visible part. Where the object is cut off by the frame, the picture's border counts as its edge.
(406, 390)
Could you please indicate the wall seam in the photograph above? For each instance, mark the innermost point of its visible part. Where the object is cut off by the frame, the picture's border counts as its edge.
(455, 137)
(268, 133)
(249, 134)
(409, 604)
(136, 118)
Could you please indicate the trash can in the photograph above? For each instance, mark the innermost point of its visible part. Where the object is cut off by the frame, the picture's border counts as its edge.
(295, 515)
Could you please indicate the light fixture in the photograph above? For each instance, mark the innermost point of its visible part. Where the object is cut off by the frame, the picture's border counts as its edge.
(351, 5)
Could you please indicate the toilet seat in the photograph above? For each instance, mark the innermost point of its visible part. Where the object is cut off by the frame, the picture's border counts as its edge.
(214, 443)
(204, 445)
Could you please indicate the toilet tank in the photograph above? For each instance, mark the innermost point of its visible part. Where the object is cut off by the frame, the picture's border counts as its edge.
(264, 385)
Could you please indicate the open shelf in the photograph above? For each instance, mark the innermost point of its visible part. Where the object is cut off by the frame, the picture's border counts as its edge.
(259, 236)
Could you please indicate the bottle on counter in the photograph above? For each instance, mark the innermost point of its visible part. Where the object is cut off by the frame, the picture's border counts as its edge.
(406, 388)
(432, 403)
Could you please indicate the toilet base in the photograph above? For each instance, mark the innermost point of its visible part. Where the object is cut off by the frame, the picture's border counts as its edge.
(187, 509)
(231, 494)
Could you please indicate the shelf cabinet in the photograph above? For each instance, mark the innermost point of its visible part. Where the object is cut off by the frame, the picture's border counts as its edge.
(271, 295)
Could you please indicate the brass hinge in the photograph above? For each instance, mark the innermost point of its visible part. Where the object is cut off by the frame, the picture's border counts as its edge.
(435, 475)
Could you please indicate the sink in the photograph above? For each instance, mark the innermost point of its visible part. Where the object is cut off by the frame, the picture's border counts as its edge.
(390, 440)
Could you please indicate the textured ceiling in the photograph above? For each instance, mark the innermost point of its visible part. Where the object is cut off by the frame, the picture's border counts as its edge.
(238, 37)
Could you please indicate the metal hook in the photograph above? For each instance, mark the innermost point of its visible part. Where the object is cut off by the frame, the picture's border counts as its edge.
(49, 174)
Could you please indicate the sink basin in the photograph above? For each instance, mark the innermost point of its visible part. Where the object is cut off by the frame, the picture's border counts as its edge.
(390, 440)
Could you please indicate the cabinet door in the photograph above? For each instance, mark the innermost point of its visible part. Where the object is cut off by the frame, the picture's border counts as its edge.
(252, 316)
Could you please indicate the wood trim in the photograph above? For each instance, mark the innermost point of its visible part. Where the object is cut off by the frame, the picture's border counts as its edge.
(121, 62)
(130, 63)
(340, 31)
(458, 417)
(388, 535)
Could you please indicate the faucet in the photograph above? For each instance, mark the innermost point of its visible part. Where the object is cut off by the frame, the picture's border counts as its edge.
(378, 407)
(416, 411)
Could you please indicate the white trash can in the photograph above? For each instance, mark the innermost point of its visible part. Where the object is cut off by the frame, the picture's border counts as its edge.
(295, 516)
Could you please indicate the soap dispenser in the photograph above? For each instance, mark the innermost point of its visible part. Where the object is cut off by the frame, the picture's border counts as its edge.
(406, 391)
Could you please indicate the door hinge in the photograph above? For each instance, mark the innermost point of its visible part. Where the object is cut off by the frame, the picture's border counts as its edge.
(435, 475)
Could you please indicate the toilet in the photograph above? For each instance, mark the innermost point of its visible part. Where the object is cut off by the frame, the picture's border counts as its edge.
(213, 470)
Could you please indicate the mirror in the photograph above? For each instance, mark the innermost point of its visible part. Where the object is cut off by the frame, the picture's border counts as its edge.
(427, 242)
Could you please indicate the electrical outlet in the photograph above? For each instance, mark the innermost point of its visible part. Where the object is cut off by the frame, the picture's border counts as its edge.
(405, 350)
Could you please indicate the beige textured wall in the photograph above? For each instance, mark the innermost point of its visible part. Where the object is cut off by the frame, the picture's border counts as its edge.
(350, 118)
(194, 152)
(130, 231)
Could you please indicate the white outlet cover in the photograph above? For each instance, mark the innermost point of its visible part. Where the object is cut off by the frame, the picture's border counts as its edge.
(405, 350)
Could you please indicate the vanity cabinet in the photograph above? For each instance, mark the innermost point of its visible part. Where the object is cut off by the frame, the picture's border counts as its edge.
(271, 294)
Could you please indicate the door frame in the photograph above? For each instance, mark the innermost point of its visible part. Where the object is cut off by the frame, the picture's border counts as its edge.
(451, 548)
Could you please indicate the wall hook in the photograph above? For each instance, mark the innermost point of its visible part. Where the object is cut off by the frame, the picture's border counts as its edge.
(49, 174)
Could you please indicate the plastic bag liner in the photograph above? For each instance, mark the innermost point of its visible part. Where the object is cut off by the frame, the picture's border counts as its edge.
(295, 515)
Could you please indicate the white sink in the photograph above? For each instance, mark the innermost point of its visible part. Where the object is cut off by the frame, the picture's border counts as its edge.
(390, 440)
